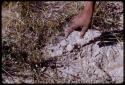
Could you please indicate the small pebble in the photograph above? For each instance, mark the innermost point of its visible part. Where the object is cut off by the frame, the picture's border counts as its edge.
(63, 43)
(69, 48)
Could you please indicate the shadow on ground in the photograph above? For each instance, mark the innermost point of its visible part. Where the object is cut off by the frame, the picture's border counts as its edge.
(107, 38)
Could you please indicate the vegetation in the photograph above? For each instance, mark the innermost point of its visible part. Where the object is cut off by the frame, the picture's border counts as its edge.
(28, 26)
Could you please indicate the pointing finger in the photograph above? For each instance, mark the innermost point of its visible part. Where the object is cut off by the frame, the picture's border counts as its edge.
(70, 29)
(84, 29)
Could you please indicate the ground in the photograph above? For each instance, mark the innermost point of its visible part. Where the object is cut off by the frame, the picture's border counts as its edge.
(35, 50)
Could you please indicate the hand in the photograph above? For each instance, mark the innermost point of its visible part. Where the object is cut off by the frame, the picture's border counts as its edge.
(78, 24)
(82, 21)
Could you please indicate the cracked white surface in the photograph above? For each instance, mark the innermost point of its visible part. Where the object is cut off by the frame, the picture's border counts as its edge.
(92, 57)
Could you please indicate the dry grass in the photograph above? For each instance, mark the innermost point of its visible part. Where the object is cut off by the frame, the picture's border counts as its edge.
(28, 26)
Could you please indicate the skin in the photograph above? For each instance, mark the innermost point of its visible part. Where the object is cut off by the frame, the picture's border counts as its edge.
(82, 20)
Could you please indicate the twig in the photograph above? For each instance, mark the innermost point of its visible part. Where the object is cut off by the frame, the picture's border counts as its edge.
(8, 73)
(71, 75)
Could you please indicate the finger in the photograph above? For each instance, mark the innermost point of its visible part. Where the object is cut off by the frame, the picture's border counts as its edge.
(82, 33)
(69, 30)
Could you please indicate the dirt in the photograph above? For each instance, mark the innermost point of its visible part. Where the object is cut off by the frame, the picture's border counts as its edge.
(74, 60)
(97, 64)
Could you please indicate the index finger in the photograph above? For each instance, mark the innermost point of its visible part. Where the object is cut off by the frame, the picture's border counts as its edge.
(70, 29)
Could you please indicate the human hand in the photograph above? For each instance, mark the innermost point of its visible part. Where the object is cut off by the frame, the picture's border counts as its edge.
(82, 21)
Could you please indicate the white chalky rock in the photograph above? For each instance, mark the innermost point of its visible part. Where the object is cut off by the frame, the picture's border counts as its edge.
(80, 41)
(72, 38)
(69, 48)
(63, 43)
(57, 53)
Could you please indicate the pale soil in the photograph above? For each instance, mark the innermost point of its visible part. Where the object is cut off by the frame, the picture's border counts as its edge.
(77, 63)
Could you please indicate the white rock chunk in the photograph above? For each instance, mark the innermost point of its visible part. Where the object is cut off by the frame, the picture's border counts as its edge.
(69, 48)
(63, 43)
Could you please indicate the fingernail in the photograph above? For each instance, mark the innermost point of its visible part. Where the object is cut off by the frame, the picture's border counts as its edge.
(81, 37)
(67, 35)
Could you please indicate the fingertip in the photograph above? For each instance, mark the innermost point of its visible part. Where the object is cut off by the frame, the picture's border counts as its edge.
(68, 31)
(66, 35)
(83, 32)
(82, 35)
